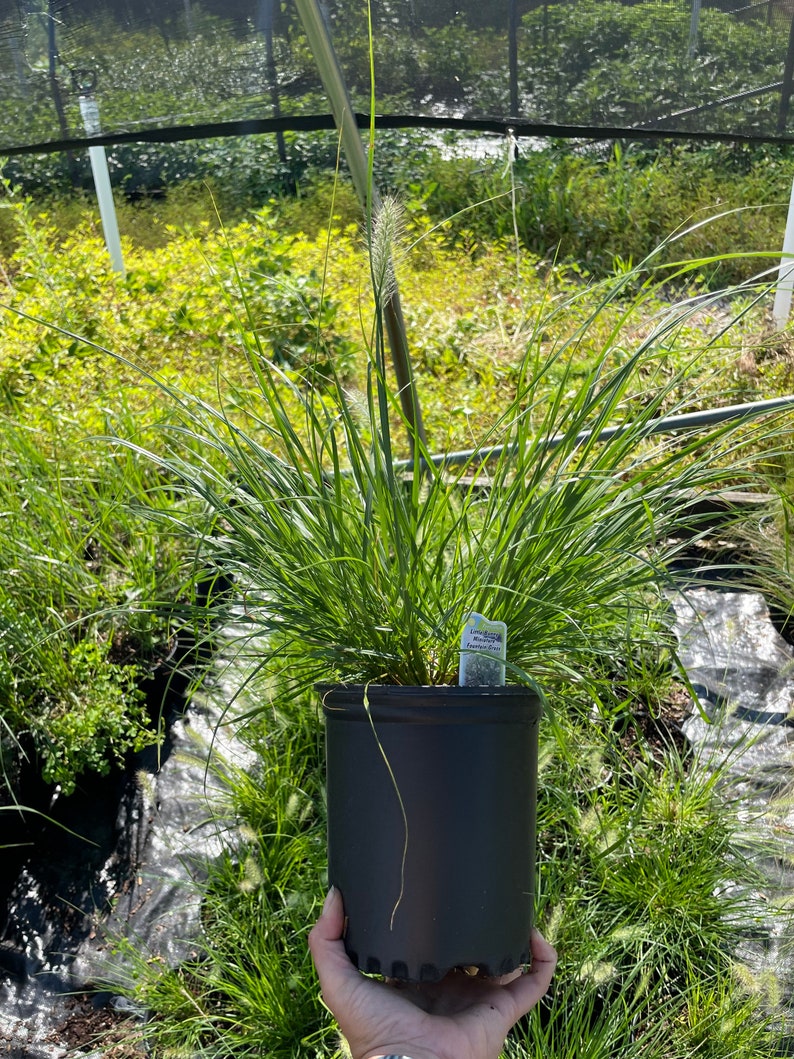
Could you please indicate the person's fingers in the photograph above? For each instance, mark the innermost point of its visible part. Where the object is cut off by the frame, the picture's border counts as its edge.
(541, 950)
(331, 924)
(333, 965)
(527, 990)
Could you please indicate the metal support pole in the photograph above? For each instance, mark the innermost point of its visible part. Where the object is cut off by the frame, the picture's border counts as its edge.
(694, 27)
(55, 88)
(787, 86)
(334, 83)
(513, 57)
(266, 21)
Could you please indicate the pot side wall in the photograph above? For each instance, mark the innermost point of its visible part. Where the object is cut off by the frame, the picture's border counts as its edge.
(456, 887)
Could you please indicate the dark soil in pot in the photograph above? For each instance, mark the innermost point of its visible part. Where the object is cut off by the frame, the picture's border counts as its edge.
(431, 825)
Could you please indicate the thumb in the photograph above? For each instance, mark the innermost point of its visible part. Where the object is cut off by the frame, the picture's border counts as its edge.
(528, 989)
(330, 925)
(333, 965)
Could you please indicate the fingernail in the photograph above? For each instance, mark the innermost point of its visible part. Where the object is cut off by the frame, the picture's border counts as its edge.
(328, 899)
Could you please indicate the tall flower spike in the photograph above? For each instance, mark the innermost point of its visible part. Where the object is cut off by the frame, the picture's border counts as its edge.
(387, 233)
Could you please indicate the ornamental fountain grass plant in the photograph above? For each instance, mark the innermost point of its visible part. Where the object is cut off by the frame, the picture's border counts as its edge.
(357, 556)
(357, 570)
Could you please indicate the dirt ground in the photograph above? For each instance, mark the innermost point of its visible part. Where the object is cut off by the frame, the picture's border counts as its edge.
(88, 1027)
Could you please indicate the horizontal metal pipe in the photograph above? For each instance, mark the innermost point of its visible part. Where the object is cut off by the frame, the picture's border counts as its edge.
(663, 425)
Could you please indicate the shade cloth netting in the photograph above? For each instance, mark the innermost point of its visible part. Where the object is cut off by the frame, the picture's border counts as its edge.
(178, 69)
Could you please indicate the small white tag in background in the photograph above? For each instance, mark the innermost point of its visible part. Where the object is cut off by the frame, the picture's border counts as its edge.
(483, 649)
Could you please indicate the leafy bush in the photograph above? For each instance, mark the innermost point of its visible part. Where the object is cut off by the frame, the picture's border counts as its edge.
(63, 700)
(91, 598)
(596, 209)
(600, 62)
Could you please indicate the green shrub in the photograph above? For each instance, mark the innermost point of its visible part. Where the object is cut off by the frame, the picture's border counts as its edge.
(600, 62)
(99, 717)
(91, 597)
(64, 702)
(596, 209)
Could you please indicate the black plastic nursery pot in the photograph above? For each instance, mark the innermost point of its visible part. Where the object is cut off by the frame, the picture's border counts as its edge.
(432, 796)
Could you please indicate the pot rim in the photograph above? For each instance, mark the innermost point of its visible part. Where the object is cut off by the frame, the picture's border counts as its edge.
(437, 704)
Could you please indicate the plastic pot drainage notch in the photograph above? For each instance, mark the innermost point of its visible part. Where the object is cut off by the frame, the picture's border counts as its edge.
(431, 825)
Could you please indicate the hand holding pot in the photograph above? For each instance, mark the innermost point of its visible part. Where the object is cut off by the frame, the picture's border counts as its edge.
(457, 1018)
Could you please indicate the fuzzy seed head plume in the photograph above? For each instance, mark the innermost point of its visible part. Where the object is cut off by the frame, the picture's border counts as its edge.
(387, 233)
(252, 876)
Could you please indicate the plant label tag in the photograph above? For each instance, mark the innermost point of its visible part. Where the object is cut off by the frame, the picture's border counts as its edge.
(483, 649)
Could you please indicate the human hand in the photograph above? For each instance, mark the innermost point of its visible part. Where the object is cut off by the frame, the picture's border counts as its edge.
(459, 1017)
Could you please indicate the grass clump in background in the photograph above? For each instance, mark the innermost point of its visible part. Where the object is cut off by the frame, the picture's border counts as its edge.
(92, 599)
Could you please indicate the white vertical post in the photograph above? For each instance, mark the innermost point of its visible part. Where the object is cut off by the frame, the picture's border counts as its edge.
(104, 192)
(785, 276)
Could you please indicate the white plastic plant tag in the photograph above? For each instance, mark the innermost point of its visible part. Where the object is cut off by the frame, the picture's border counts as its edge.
(483, 649)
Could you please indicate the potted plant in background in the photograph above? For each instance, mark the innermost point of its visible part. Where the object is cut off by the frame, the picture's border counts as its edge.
(357, 571)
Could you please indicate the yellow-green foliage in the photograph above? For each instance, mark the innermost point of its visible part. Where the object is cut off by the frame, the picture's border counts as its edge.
(184, 310)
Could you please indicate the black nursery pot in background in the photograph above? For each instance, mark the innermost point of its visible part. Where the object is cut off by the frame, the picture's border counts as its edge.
(431, 825)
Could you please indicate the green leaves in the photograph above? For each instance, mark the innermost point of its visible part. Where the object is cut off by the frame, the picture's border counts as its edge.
(96, 719)
(608, 63)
